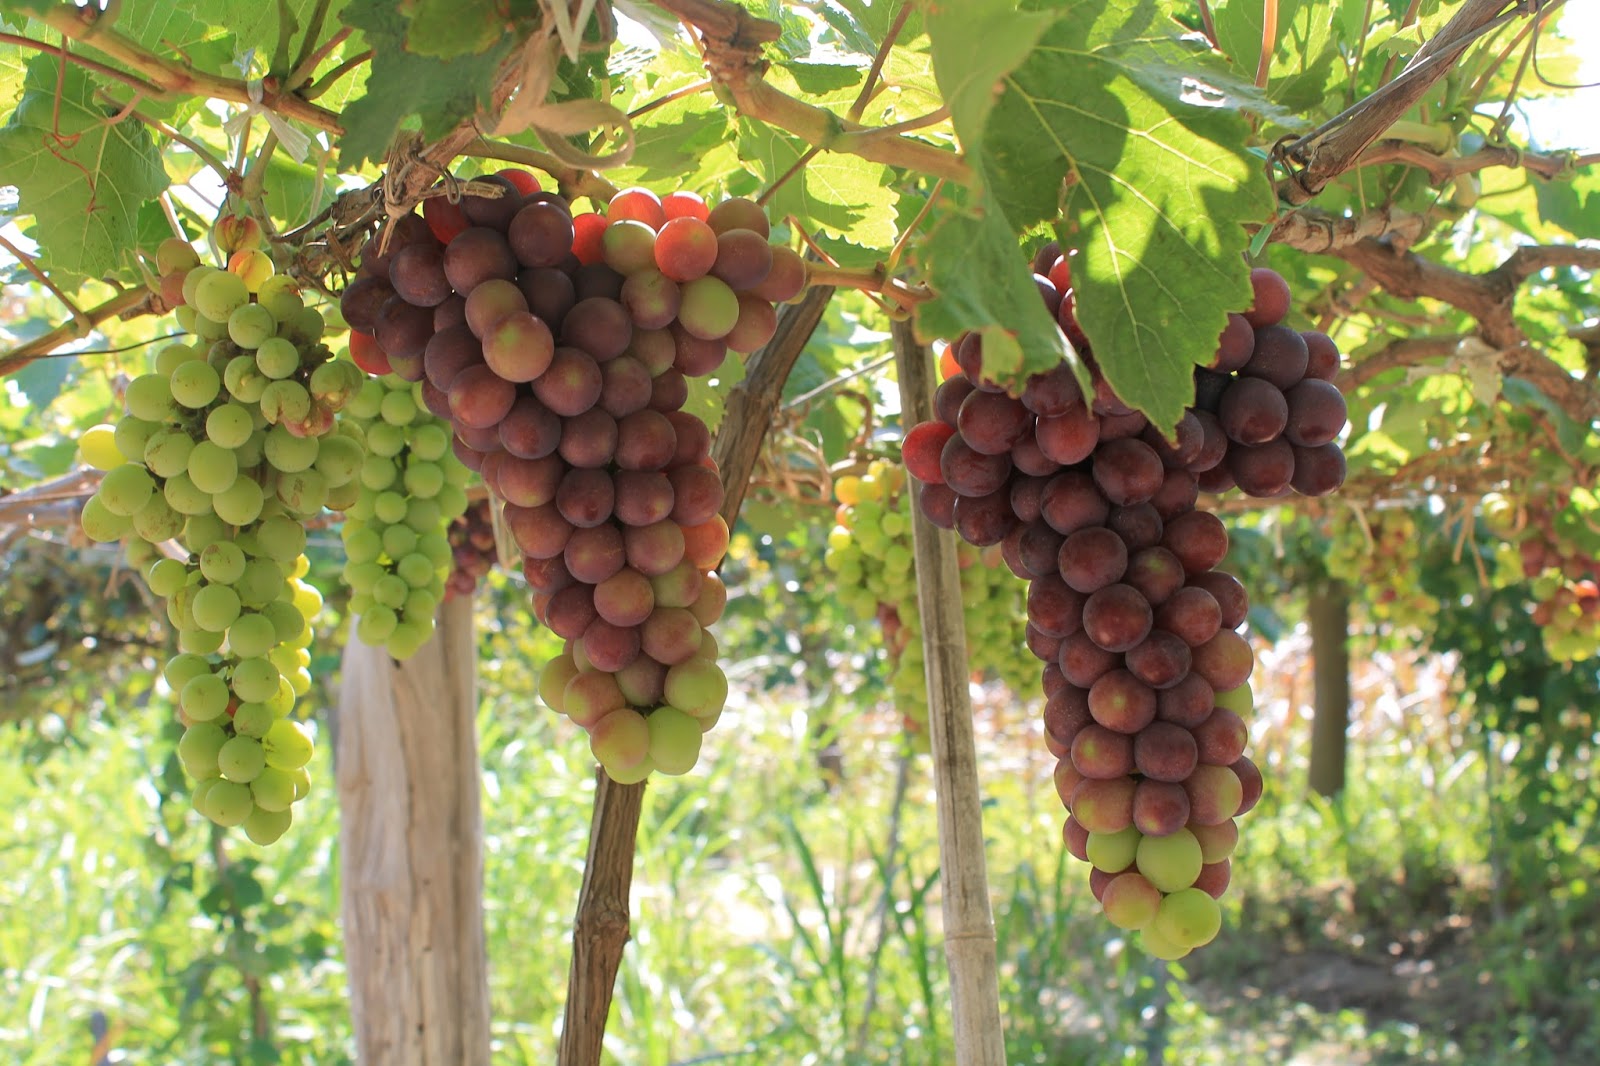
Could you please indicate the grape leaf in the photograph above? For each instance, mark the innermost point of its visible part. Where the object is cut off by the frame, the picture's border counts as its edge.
(840, 194)
(402, 85)
(1306, 49)
(972, 262)
(255, 25)
(708, 395)
(1572, 203)
(1161, 186)
(81, 178)
(975, 44)
(450, 28)
(41, 380)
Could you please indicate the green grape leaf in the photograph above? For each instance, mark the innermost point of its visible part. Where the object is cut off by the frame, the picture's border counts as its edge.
(976, 43)
(1306, 50)
(707, 395)
(1160, 184)
(82, 179)
(670, 141)
(296, 191)
(402, 85)
(982, 283)
(1571, 203)
(41, 380)
(840, 194)
(255, 25)
(450, 28)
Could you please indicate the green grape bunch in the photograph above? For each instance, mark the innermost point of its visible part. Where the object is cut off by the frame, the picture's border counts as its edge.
(869, 551)
(226, 449)
(396, 541)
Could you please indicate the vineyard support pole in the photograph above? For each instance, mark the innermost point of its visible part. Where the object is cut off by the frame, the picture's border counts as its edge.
(1329, 617)
(411, 849)
(968, 921)
(600, 929)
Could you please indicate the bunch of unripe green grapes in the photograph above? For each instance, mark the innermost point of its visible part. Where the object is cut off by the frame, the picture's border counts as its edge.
(870, 553)
(397, 550)
(560, 345)
(1379, 559)
(1553, 546)
(226, 450)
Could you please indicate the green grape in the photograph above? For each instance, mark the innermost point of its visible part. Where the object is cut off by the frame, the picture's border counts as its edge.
(191, 280)
(212, 468)
(361, 545)
(167, 452)
(307, 600)
(375, 626)
(279, 295)
(429, 442)
(210, 331)
(386, 441)
(198, 748)
(308, 325)
(416, 571)
(452, 501)
(186, 315)
(230, 425)
(398, 408)
(390, 590)
(102, 525)
(377, 472)
(1171, 863)
(132, 435)
(299, 681)
(289, 453)
(215, 608)
(255, 680)
(286, 658)
(98, 447)
(195, 384)
(199, 641)
(436, 546)
(399, 541)
(339, 459)
(266, 827)
(149, 396)
(288, 622)
(277, 358)
(424, 480)
(304, 493)
(227, 803)
(222, 562)
(181, 669)
(409, 636)
(390, 507)
(361, 603)
(241, 759)
(166, 576)
(368, 401)
(282, 539)
(240, 503)
(126, 489)
(341, 497)
(218, 294)
(204, 697)
(1189, 918)
(282, 701)
(185, 497)
(286, 745)
(285, 401)
(253, 720)
(675, 740)
(423, 516)
(175, 356)
(273, 789)
(252, 635)
(421, 602)
(251, 325)
(244, 380)
(363, 576)
(363, 509)
(259, 584)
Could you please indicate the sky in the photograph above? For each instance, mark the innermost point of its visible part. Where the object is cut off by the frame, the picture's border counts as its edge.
(1570, 122)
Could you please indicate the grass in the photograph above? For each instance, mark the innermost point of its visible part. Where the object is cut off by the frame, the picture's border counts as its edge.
(774, 924)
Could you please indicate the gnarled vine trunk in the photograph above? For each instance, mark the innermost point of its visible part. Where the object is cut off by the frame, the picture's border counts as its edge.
(411, 850)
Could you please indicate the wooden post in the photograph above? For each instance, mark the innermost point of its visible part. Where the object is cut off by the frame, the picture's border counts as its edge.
(411, 849)
(968, 922)
(1329, 615)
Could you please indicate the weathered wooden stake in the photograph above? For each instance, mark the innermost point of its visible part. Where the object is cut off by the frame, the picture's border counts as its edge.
(411, 849)
(968, 921)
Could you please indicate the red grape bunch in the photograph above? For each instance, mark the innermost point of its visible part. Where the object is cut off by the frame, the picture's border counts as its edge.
(1146, 676)
(560, 346)
(472, 545)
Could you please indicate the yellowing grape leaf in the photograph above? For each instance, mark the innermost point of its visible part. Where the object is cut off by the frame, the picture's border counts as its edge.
(82, 178)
